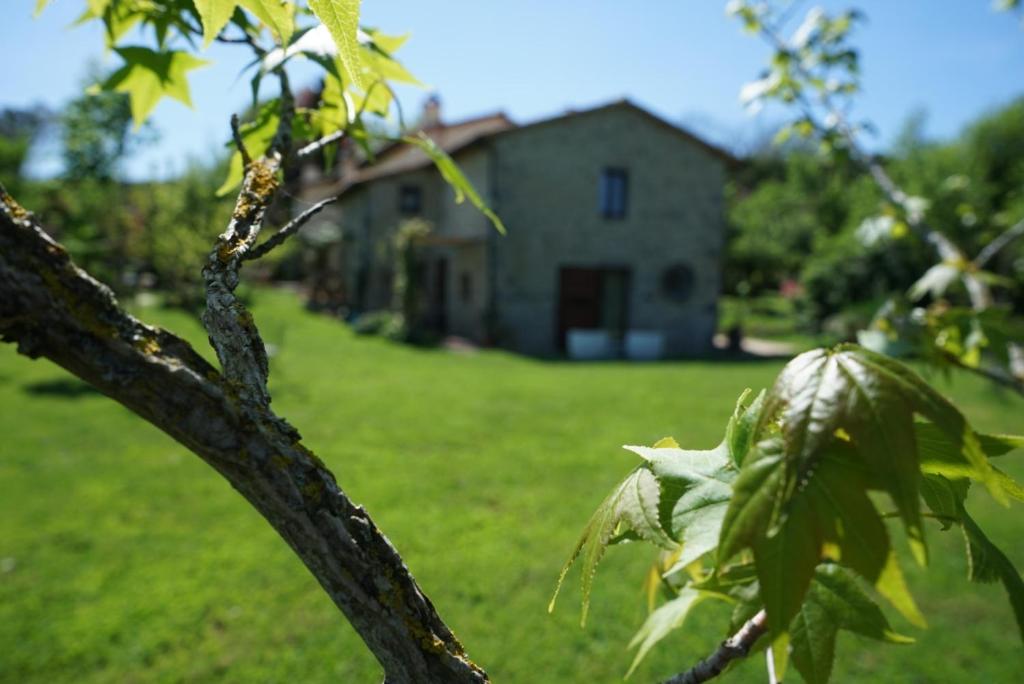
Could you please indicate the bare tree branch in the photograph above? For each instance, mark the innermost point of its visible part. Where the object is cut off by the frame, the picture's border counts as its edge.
(53, 309)
(317, 145)
(991, 249)
(288, 230)
(236, 135)
(735, 647)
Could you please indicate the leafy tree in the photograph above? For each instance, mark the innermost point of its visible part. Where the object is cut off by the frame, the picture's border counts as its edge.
(782, 520)
(19, 130)
(96, 136)
(779, 519)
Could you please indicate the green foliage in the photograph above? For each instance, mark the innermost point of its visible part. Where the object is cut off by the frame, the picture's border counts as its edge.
(341, 17)
(793, 488)
(453, 175)
(19, 130)
(96, 136)
(834, 601)
(148, 76)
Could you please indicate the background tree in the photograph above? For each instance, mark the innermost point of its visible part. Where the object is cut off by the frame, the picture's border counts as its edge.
(779, 538)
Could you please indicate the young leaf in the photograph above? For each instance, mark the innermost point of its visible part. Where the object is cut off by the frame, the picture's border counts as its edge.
(147, 76)
(834, 601)
(941, 456)
(277, 15)
(214, 15)
(341, 17)
(634, 504)
(667, 617)
(740, 433)
(823, 391)
(40, 6)
(755, 501)
(695, 490)
(988, 563)
(453, 175)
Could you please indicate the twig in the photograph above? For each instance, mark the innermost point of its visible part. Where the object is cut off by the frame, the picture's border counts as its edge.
(282, 142)
(769, 663)
(735, 647)
(236, 134)
(947, 250)
(288, 230)
(317, 145)
(992, 248)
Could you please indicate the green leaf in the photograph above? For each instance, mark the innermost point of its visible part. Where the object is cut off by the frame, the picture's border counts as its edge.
(823, 391)
(380, 65)
(148, 76)
(277, 15)
(214, 15)
(893, 587)
(453, 175)
(936, 408)
(829, 515)
(834, 601)
(695, 490)
(633, 505)
(257, 136)
(941, 456)
(666, 618)
(944, 497)
(387, 44)
(785, 563)
(988, 563)
(341, 17)
(755, 502)
(740, 433)
(40, 6)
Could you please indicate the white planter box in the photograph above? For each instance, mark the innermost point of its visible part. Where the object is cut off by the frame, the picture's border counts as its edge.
(590, 345)
(645, 345)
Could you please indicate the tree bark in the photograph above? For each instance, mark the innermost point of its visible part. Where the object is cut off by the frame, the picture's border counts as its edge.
(53, 309)
(735, 647)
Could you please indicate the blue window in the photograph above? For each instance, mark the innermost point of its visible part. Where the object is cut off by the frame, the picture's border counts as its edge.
(614, 193)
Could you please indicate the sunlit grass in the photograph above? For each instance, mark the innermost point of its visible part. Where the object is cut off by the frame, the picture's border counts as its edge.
(125, 558)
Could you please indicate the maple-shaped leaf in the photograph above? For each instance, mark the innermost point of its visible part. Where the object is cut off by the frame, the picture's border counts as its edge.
(834, 602)
(341, 17)
(631, 508)
(846, 427)
(676, 499)
(694, 492)
(214, 16)
(872, 399)
(148, 76)
(276, 15)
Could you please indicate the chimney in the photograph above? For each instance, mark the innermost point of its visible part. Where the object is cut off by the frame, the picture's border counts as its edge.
(431, 113)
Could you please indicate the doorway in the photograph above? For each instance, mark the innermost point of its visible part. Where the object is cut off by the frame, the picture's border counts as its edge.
(593, 299)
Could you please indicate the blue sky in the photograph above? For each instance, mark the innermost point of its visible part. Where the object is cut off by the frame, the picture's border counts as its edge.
(683, 59)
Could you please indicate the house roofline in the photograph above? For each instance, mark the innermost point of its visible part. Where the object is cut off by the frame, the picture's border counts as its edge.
(714, 150)
(728, 159)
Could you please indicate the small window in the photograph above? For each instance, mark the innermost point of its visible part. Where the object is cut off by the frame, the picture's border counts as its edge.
(410, 200)
(678, 282)
(466, 287)
(614, 192)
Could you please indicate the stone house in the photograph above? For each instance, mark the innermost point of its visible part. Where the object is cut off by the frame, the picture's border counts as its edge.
(615, 233)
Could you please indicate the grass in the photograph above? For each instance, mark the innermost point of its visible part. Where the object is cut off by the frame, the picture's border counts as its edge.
(123, 558)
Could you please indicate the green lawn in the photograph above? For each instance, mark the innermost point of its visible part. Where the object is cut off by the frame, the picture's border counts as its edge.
(123, 558)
